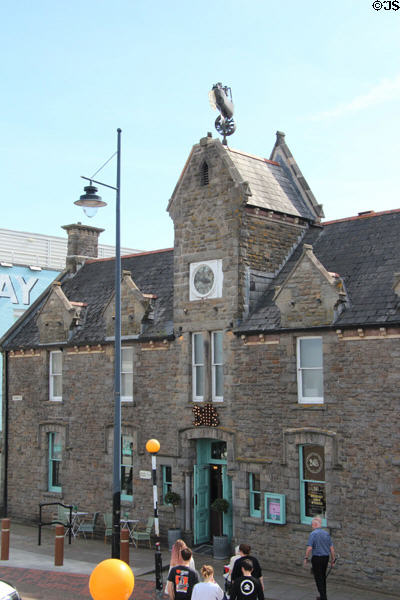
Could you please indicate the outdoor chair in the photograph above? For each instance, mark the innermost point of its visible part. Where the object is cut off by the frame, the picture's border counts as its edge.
(87, 526)
(138, 535)
(108, 523)
(63, 516)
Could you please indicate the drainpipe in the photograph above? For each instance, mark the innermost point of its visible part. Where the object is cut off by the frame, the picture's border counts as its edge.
(5, 435)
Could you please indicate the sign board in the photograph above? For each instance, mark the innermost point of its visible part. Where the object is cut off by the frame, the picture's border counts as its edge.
(275, 508)
(145, 474)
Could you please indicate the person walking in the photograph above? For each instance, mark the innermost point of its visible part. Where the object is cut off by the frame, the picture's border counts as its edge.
(320, 547)
(228, 575)
(244, 551)
(182, 579)
(208, 589)
(247, 587)
(176, 558)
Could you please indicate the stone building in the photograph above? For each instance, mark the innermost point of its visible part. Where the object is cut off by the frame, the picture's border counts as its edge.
(262, 351)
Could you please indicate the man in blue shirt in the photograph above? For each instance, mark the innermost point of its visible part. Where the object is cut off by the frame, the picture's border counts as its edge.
(320, 545)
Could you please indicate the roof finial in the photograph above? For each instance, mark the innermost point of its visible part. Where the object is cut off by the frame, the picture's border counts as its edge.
(221, 98)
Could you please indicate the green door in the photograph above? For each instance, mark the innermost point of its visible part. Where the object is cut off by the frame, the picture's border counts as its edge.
(227, 494)
(201, 504)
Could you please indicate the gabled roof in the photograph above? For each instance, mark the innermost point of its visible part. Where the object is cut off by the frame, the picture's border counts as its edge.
(365, 252)
(93, 285)
(271, 187)
(269, 184)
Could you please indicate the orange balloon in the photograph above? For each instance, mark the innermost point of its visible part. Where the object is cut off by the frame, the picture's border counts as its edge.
(112, 579)
(152, 446)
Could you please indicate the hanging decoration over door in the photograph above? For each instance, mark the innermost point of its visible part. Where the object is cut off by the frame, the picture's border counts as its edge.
(205, 415)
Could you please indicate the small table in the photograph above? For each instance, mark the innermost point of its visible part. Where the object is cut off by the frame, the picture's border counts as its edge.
(129, 524)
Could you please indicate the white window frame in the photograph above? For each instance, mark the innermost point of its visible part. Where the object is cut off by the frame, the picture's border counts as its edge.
(127, 372)
(52, 374)
(214, 365)
(195, 365)
(308, 399)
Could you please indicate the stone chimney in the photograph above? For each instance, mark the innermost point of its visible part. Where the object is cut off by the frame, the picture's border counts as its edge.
(83, 242)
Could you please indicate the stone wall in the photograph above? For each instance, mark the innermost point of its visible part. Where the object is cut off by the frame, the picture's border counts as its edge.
(356, 425)
(267, 239)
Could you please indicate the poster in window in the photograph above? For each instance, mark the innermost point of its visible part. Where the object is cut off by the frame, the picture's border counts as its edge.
(314, 463)
(315, 499)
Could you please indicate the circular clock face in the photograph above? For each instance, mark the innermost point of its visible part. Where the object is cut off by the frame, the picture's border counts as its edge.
(203, 280)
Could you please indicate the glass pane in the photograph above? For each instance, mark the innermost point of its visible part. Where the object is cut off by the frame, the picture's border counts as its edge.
(56, 446)
(255, 480)
(219, 380)
(127, 360)
(198, 348)
(218, 451)
(273, 509)
(314, 463)
(126, 481)
(55, 473)
(127, 449)
(218, 355)
(167, 474)
(256, 500)
(315, 499)
(199, 385)
(126, 384)
(57, 385)
(311, 352)
(312, 383)
(56, 362)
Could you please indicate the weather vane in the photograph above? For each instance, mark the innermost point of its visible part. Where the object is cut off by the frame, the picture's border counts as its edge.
(221, 98)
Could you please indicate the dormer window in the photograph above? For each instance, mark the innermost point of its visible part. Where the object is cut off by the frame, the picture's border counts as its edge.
(204, 174)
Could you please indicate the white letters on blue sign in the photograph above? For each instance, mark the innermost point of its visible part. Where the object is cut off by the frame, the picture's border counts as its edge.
(26, 287)
(7, 289)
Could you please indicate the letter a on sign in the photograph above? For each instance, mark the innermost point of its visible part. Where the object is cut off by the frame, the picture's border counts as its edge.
(6, 289)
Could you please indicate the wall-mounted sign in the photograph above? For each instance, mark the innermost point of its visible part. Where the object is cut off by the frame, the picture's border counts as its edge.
(145, 474)
(275, 508)
(315, 499)
(16, 288)
(16, 398)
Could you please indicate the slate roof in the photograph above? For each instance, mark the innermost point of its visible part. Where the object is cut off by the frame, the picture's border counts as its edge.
(271, 185)
(94, 285)
(365, 252)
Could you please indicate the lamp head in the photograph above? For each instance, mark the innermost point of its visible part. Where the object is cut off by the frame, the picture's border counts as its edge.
(152, 446)
(90, 201)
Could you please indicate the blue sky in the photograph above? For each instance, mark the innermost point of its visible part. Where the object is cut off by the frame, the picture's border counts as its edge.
(327, 74)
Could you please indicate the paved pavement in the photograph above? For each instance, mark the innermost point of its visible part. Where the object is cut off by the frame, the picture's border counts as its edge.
(31, 568)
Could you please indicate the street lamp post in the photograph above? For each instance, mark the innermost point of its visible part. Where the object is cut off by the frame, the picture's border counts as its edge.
(90, 203)
(152, 447)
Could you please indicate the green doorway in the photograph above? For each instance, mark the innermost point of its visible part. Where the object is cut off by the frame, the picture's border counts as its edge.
(211, 481)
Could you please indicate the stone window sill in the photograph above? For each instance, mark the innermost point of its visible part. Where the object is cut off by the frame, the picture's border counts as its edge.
(317, 407)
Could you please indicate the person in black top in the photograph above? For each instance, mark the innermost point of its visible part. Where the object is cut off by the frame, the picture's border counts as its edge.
(247, 587)
(244, 551)
(181, 579)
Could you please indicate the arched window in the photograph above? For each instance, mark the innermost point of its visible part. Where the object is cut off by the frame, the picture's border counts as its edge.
(204, 180)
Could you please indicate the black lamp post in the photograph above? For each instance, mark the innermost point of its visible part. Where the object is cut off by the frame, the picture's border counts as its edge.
(90, 203)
